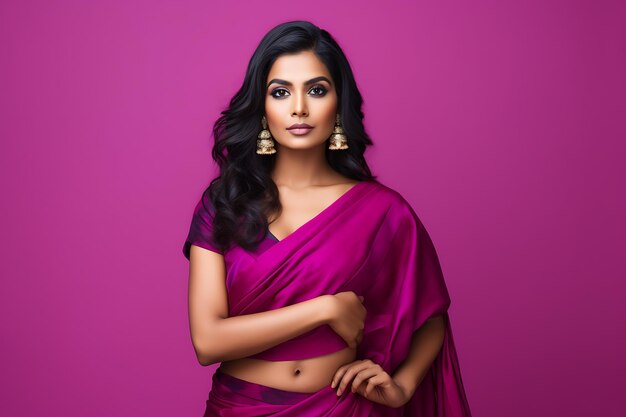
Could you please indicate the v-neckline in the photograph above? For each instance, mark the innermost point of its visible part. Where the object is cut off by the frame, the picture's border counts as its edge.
(318, 215)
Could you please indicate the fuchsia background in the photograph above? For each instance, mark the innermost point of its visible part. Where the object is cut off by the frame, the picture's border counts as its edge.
(502, 123)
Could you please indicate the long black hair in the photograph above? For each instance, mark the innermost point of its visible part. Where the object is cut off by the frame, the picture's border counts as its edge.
(244, 193)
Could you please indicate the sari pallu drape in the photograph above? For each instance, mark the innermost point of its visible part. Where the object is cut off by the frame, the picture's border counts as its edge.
(369, 241)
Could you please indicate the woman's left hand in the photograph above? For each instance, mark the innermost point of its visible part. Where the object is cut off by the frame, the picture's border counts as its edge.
(371, 381)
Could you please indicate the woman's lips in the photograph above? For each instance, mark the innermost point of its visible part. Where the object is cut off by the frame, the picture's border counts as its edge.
(299, 131)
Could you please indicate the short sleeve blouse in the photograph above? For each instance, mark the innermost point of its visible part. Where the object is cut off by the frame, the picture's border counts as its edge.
(201, 228)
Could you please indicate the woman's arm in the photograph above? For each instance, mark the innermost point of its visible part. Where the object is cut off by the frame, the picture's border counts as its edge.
(219, 338)
(245, 335)
(425, 345)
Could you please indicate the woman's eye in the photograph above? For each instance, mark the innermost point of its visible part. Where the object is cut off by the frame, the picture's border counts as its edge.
(318, 91)
(274, 93)
(319, 88)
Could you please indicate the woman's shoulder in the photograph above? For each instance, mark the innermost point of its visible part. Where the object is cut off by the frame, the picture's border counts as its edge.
(396, 203)
(388, 192)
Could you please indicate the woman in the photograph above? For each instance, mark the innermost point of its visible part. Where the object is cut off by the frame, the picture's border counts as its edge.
(316, 287)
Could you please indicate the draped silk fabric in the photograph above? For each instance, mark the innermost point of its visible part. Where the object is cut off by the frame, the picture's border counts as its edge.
(370, 241)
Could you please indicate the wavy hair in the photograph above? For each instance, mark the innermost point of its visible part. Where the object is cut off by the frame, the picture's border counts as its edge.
(244, 193)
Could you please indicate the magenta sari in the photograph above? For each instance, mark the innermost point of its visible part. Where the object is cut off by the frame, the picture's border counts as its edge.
(370, 241)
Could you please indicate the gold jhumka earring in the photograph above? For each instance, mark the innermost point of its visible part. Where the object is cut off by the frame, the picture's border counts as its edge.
(265, 142)
(338, 140)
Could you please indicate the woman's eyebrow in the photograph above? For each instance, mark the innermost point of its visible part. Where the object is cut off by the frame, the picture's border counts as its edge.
(311, 81)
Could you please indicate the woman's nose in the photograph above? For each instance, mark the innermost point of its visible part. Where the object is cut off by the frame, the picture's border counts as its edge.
(299, 106)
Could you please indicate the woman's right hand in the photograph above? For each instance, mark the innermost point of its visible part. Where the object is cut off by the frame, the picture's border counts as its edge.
(348, 317)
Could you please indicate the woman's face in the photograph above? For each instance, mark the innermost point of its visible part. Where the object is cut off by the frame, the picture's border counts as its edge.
(300, 90)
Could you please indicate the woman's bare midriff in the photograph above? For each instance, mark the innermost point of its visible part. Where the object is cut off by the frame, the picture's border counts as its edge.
(305, 375)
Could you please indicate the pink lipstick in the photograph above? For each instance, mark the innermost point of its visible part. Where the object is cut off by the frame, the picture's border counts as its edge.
(300, 129)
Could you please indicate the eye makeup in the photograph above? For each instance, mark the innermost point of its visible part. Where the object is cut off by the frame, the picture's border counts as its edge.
(320, 88)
